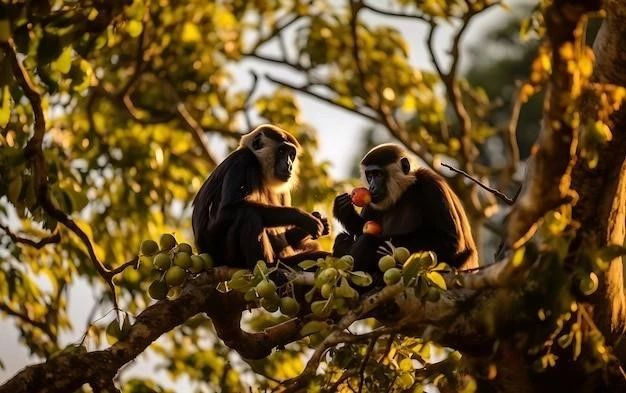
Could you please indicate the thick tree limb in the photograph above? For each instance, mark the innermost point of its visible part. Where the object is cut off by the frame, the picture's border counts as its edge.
(547, 184)
(601, 209)
(68, 372)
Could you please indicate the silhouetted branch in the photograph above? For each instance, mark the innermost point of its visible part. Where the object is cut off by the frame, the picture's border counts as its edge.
(384, 12)
(55, 238)
(497, 193)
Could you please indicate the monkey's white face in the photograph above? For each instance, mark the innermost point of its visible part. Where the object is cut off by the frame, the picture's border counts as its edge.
(396, 181)
(278, 159)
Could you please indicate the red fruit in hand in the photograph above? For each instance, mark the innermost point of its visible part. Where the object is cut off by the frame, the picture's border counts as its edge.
(361, 196)
(372, 228)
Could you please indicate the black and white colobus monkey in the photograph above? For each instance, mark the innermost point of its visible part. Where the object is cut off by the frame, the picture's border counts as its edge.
(416, 209)
(243, 211)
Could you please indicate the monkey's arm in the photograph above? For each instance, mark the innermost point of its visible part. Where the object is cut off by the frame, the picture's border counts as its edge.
(296, 235)
(344, 212)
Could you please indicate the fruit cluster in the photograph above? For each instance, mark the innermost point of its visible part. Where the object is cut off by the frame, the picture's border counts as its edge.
(420, 271)
(174, 262)
(332, 283)
(260, 289)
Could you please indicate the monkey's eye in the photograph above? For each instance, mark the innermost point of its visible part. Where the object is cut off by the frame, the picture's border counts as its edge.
(373, 174)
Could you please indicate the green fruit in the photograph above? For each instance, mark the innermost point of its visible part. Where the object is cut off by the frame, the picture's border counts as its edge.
(385, 263)
(346, 262)
(183, 260)
(392, 276)
(269, 304)
(167, 242)
(158, 290)
(320, 308)
(208, 261)
(289, 306)
(433, 294)
(327, 290)
(588, 284)
(184, 247)
(174, 292)
(266, 288)
(250, 295)
(174, 276)
(401, 254)
(145, 265)
(131, 276)
(328, 275)
(197, 264)
(149, 247)
(113, 331)
(162, 261)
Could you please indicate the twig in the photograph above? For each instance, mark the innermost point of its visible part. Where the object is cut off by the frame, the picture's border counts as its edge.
(304, 90)
(55, 238)
(511, 140)
(394, 14)
(122, 267)
(246, 103)
(338, 336)
(346, 375)
(366, 358)
(25, 318)
(497, 193)
(197, 132)
(34, 149)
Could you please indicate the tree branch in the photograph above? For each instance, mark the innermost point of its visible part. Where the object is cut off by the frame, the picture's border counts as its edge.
(55, 238)
(34, 149)
(554, 155)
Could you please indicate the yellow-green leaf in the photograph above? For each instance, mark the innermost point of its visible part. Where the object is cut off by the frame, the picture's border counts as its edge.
(190, 33)
(437, 279)
(134, 28)
(5, 108)
(64, 63)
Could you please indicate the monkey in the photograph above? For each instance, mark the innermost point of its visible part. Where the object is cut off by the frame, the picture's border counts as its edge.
(243, 213)
(417, 209)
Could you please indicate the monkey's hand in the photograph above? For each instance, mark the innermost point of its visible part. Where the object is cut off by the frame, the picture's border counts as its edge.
(324, 221)
(344, 211)
(311, 224)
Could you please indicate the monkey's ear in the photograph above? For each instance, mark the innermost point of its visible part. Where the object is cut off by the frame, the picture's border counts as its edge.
(406, 165)
(257, 142)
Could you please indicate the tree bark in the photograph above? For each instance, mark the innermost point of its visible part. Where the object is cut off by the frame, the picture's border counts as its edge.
(602, 190)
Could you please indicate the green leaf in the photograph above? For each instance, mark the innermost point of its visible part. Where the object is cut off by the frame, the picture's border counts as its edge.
(191, 33)
(313, 327)
(309, 263)
(437, 279)
(239, 283)
(64, 63)
(134, 28)
(5, 108)
(308, 297)
(411, 267)
(518, 257)
(361, 279)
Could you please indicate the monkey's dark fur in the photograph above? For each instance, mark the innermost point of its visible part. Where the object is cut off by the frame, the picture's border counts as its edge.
(417, 210)
(243, 212)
